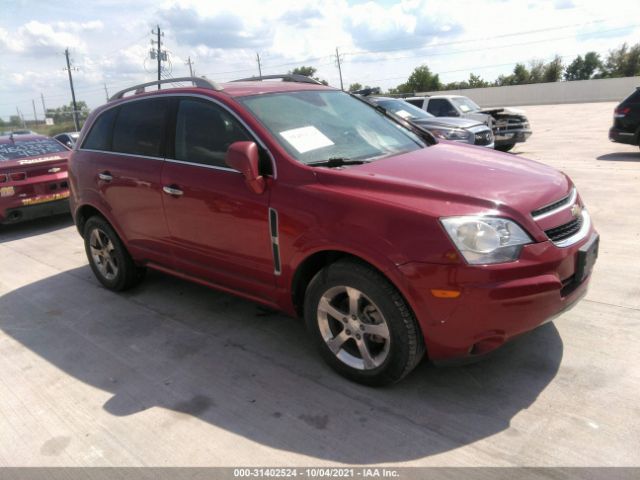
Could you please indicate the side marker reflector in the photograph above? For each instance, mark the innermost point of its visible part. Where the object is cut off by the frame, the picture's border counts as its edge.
(445, 293)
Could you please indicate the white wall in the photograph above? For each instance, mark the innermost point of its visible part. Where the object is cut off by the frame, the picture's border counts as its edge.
(580, 91)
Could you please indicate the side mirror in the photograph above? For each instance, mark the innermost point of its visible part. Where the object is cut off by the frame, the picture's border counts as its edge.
(244, 157)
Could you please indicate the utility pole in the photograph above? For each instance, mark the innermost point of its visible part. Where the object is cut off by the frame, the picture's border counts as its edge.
(158, 53)
(44, 109)
(21, 117)
(339, 68)
(106, 92)
(35, 116)
(190, 63)
(73, 93)
(259, 66)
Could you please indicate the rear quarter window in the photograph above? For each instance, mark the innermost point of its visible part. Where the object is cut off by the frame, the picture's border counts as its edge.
(99, 138)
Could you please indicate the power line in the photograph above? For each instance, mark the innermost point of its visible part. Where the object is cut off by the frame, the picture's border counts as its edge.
(482, 39)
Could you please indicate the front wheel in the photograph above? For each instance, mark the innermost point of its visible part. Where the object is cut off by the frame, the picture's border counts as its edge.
(111, 263)
(362, 326)
(505, 147)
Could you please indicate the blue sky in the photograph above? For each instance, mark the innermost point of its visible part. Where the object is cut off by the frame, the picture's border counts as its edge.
(380, 42)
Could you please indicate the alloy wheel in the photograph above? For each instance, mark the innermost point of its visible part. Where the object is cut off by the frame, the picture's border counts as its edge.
(353, 327)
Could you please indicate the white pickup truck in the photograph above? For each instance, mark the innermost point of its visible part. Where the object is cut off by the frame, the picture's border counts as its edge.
(509, 125)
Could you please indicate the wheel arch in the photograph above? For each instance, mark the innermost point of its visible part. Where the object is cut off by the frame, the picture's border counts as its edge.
(316, 261)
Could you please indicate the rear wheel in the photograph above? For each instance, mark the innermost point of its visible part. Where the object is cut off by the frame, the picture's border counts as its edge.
(111, 263)
(506, 147)
(361, 324)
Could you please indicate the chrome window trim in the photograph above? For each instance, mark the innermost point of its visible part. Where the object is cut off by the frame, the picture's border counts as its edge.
(579, 235)
(571, 200)
(256, 138)
(202, 165)
(121, 153)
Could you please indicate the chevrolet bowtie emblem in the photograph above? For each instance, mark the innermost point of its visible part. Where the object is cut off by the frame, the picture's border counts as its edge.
(576, 210)
(54, 170)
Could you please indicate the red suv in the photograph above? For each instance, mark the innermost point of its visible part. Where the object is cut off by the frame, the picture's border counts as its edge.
(308, 200)
(33, 177)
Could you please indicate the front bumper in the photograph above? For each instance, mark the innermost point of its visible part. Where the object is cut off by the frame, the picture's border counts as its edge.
(509, 137)
(620, 136)
(496, 302)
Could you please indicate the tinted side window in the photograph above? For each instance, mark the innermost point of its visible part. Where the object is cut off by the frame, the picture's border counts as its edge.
(204, 132)
(99, 138)
(633, 98)
(417, 103)
(439, 107)
(139, 128)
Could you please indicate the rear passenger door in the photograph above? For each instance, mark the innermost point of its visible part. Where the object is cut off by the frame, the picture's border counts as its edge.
(125, 148)
(219, 229)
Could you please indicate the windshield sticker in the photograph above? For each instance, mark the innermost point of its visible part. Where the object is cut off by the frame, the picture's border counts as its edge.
(306, 138)
(464, 108)
(403, 114)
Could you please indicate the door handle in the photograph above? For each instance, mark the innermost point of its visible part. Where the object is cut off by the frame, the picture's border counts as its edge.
(172, 190)
(105, 176)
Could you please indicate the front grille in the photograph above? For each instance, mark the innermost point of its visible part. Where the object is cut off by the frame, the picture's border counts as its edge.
(565, 231)
(552, 206)
(512, 122)
(483, 138)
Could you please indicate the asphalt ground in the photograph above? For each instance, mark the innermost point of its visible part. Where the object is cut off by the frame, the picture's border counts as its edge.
(175, 374)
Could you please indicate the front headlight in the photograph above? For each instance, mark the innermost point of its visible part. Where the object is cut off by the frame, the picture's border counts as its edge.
(484, 240)
(456, 134)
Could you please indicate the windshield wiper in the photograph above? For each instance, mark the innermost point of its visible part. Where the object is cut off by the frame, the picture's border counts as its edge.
(336, 162)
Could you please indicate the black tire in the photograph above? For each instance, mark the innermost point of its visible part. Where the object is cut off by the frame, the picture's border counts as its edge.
(505, 148)
(127, 274)
(405, 343)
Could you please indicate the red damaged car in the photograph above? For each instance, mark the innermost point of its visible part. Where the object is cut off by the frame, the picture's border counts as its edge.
(33, 177)
(309, 200)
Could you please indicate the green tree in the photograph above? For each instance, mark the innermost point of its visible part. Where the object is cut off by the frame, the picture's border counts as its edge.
(520, 75)
(420, 80)
(552, 71)
(622, 62)
(308, 71)
(354, 87)
(583, 68)
(592, 63)
(65, 113)
(475, 81)
(536, 71)
(575, 70)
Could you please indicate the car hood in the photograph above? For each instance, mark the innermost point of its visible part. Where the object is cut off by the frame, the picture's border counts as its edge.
(447, 122)
(468, 179)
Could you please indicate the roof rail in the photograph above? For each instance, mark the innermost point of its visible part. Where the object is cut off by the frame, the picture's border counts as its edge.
(197, 81)
(285, 77)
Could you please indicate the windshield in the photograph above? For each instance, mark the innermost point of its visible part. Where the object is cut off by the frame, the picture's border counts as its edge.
(315, 126)
(13, 150)
(404, 109)
(465, 104)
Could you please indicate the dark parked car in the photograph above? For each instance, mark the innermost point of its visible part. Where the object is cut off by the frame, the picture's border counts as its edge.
(510, 126)
(311, 201)
(68, 139)
(626, 120)
(462, 130)
(33, 177)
